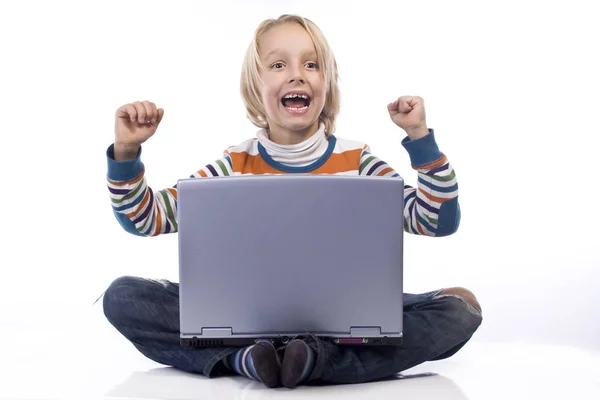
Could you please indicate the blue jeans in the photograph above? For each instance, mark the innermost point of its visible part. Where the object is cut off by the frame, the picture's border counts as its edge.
(146, 312)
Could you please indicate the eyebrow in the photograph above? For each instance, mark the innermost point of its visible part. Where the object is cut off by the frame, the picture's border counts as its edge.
(310, 53)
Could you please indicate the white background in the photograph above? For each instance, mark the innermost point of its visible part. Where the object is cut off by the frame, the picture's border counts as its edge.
(511, 89)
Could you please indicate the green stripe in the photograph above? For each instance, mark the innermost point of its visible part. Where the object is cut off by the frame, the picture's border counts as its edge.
(170, 213)
(129, 195)
(223, 168)
(406, 226)
(364, 164)
(432, 221)
(446, 178)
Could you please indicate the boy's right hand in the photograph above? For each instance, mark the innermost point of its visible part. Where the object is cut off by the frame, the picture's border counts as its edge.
(134, 124)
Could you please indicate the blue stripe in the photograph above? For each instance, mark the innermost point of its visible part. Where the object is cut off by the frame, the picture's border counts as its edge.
(229, 161)
(236, 363)
(118, 191)
(148, 209)
(148, 231)
(438, 188)
(426, 206)
(410, 210)
(298, 170)
(137, 201)
(375, 166)
(410, 196)
(212, 170)
(251, 367)
(426, 224)
(435, 170)
(151, 221)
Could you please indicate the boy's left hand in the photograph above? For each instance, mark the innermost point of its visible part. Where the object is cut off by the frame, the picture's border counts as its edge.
(408, 112)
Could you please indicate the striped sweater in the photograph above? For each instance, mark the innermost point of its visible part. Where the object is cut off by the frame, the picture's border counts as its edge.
(430, 209)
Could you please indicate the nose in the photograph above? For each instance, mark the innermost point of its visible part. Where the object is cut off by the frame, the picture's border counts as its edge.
(297, 78)
(296, 75)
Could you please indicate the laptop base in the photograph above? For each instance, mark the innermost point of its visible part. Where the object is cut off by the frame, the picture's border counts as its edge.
(195, 342)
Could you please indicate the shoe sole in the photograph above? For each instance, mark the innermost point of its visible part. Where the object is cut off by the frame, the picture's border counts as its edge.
(293, 365)
(269, 371)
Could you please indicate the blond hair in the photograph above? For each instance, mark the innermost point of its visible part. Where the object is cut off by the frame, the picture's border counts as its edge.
(250, 79)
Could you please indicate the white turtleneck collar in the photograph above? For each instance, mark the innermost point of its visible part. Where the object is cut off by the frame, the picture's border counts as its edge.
(296, 155)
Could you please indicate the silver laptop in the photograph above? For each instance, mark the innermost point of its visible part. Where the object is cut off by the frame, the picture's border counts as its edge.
(273, 257)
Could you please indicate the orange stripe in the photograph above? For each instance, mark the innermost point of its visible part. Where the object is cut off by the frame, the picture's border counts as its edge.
(419, 228)
(158, 222)
(433, 198)
(341, 162)
(385, 171)
(135, 180)
(202, 174)
(436, 163)
(247, 164)
(141, 205)
(173, 192)
(337, 162)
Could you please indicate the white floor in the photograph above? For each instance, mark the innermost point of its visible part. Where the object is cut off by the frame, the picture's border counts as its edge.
(93, 361)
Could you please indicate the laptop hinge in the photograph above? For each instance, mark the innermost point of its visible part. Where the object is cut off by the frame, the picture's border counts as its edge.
(365, 331)
(216, 332)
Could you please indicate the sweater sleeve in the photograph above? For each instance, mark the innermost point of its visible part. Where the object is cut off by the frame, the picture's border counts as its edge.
(138, 208)
(432, 208)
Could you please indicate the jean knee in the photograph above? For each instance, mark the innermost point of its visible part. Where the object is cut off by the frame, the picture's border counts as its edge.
(464, 309)
(116, 295)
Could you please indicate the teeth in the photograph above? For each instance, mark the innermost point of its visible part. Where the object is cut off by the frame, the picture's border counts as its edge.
(294, 95)
(297, 109)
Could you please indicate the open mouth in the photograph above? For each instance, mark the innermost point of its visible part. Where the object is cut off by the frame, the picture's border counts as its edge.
(296, 101)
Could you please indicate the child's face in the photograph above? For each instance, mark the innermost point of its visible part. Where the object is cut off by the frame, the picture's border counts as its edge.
(289, 65)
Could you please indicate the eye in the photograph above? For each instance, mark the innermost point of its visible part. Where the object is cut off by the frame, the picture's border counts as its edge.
(275, 65)
(314, 65)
